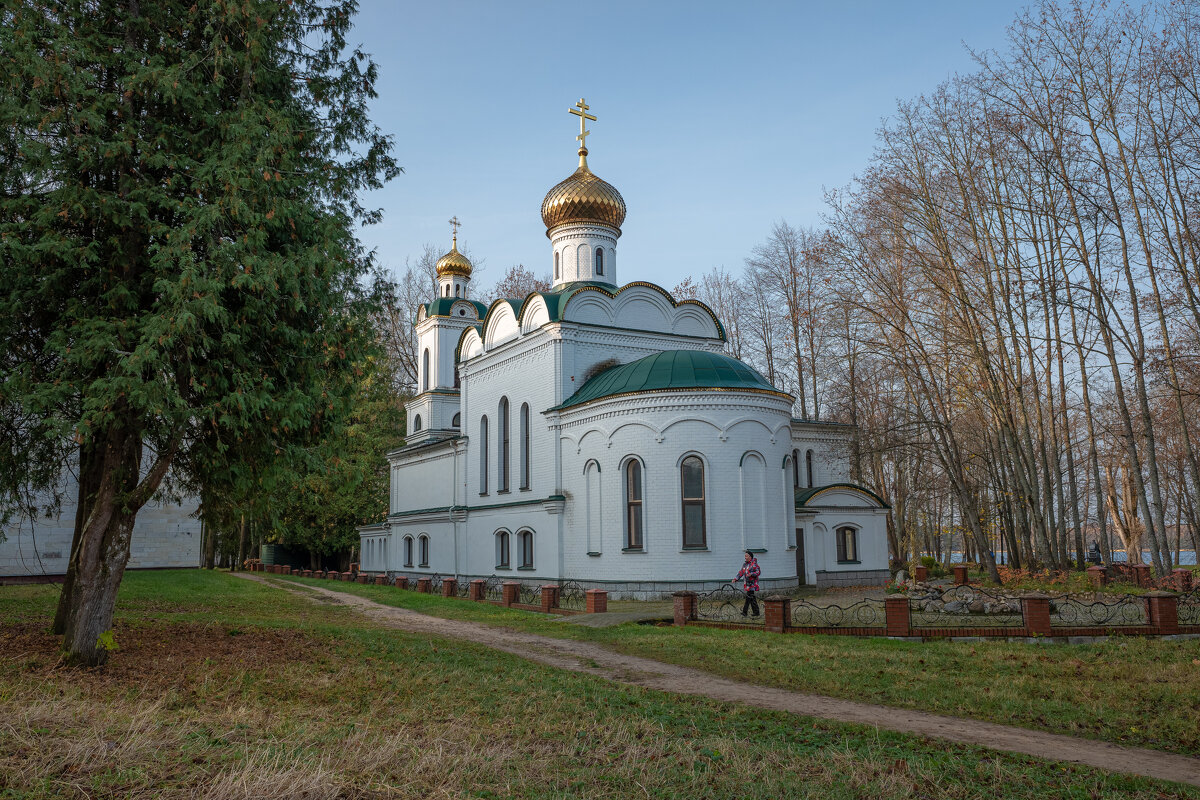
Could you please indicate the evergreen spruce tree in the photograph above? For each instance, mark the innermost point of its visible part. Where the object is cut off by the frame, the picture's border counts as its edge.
(179, 276)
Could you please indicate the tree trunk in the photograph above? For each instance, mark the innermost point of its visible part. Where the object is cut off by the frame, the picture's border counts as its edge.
(90, 471)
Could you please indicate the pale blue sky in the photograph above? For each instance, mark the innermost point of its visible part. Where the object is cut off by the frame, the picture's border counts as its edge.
(715, 119)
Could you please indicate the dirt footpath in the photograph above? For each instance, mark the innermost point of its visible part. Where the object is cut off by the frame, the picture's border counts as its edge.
(635, 671)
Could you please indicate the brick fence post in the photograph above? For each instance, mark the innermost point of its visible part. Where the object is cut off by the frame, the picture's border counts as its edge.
(921, 573)
(1035, 611)
(348, 576)
(1098, 576)
(1162, 611)
(597, 601)
(896, 616)
(381, 580)
(449, 587)
(363, 578)
(354, 566)
(777, 613)
(509, 592)
(401, 581)
(549, 597)
(685, 607)
(333, 575)
(1141, 575)
(960, 575)
(425, 585)
(478, 588)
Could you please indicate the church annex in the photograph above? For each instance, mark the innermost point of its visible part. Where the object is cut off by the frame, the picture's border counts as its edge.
(598, 433)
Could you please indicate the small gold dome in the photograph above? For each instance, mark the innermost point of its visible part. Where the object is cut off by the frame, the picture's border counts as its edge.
(583, 197)
(454, 263)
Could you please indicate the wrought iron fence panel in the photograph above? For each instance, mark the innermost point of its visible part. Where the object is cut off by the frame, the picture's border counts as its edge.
(1080, 611)
(724, 605)
(435, 583)
(572, 596)
(493, 589)
(866, 613)
(529, 595)
(1189, 607)
(462, 588)
(964, 607)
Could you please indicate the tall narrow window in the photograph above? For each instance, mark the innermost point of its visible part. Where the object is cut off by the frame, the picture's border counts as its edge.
(808, 467)
(692, 491)
(526, 476)
(457, 290)
(599, 261)
(525, 539)
(556, 257)
(424, 544)
(633, 505)
(416, 423)
(447, 292)
(795, 469)
(455, 420)
(483, 455)
(408, 551)
(425, 370)
(847, 544)
(502, 430)
(502, 545)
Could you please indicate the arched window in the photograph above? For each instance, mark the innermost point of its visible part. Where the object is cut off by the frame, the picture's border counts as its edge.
(425, 370)
(424, 545)
(502, 431)
(526, 476)
(808, 467)
(483, 455)
(599, 261)
(633, 505)
(457, 290)
(795, 469)
(408, 551)
(502, 550)
(691, 478)
(556, 259)
(447, 292)
(847, 545)
(416, 423)
(456, 420)
(525, 541)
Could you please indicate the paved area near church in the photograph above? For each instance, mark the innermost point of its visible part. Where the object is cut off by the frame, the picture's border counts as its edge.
(592, 659)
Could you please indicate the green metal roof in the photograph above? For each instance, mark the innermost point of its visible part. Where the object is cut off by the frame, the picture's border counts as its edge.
(441, 306)
(804, 495)
(671, 370)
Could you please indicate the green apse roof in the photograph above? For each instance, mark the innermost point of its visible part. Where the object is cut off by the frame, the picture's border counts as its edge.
(806, 494)
(671, 370)
(441, 306)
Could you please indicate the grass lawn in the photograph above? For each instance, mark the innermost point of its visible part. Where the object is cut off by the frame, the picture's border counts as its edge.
(224, 688)
(1129, 690)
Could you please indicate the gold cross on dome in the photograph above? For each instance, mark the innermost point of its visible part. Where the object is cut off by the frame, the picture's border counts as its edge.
(580, 110)
(455, 224)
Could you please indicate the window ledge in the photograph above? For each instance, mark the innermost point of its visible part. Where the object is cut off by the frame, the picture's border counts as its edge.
(483, 494)
(695, 550)
(791, 547)
(849, 562)
(503, 491)
(593, 553)
(756, 549)
(408, 566)
(526, 489)
(504, 568)
(525, 569)
(633, 549)
(422, 566)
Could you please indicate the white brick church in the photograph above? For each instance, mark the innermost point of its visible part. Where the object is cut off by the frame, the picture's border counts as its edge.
(598, 433)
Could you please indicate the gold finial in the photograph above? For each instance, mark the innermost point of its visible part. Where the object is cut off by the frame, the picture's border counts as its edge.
(580, 110)
(454, 224)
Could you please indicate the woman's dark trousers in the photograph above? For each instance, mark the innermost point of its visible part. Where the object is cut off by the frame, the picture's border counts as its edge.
(751, 603)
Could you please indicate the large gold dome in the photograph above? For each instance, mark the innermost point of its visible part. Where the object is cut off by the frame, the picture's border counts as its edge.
(583, 197)
(454, 263)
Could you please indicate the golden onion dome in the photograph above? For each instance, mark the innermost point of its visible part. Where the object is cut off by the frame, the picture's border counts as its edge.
(583, 197)
(454, 263)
